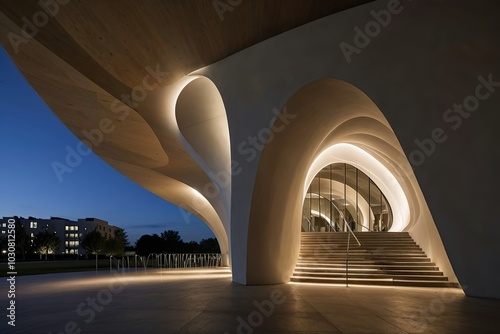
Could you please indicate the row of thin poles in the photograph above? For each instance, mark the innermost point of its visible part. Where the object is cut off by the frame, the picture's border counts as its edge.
(154, 260)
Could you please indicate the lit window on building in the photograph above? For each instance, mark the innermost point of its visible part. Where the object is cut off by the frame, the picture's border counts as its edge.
(66, 228)
(33, 224)
(4, 225)
(3, 232)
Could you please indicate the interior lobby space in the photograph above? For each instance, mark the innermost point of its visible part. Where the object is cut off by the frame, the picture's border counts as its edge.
(207, 301)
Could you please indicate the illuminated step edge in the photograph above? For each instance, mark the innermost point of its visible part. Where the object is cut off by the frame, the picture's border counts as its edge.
(380, 281)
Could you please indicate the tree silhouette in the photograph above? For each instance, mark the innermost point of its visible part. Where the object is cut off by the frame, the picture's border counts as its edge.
(170, 242)
(148, 244)
(210, 245)
(173, 241)
(46, 242)
(190, 247)
(116, 245)
(93, 243)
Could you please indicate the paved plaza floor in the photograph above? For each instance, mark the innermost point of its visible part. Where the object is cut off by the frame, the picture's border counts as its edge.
(207, 301)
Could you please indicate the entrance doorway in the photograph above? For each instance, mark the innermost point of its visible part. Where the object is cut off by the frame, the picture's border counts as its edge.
(341, 194)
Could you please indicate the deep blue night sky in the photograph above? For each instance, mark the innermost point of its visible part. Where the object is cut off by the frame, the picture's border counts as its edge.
(32, 138)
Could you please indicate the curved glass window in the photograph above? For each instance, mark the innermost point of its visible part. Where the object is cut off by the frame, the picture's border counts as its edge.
(341, 194)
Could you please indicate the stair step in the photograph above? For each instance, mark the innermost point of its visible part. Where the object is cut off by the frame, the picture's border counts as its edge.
(367, 271)
(364, 257)
(385, 281)
(364, 246)
(363, 242)
(320, 266)
(345, 238)
(363, 253)
(374, 275)
(370, 262)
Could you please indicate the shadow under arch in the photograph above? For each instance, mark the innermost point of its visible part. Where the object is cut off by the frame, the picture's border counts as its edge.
(326, 113)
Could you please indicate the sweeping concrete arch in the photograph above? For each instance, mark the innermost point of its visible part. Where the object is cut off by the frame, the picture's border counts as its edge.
(200, 118)
(202, 121)
(328, 114)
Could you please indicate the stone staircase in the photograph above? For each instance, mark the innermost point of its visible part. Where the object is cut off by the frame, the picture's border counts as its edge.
(384, 258)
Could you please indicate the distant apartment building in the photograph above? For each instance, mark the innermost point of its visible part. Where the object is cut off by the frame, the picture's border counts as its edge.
(69, 231)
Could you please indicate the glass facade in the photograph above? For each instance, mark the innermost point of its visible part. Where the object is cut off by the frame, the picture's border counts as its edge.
(341, 194)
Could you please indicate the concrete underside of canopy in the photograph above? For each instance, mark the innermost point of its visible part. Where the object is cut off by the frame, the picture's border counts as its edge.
(140, 136)
(387, 97)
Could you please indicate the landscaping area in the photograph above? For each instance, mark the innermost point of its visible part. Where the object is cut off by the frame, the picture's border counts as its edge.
(55, 266)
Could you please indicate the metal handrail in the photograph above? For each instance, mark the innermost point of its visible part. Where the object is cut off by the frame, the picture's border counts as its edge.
(347, 252)
(311, 226)
(340, 213)
(363, 226)
(348, 242)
